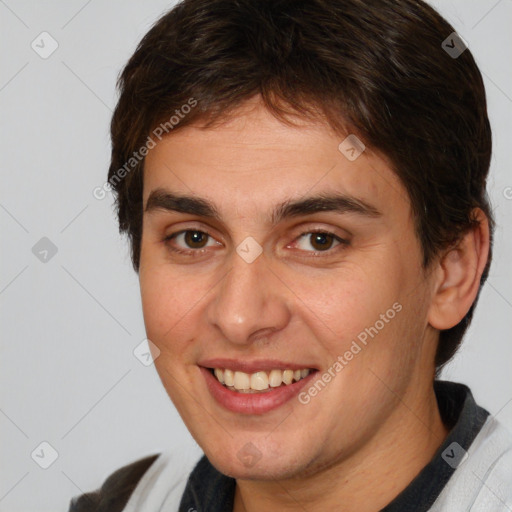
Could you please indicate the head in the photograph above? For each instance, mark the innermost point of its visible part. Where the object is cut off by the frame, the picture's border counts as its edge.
(232, 123)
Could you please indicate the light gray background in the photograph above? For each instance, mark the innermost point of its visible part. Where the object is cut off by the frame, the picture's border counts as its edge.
(69, 326)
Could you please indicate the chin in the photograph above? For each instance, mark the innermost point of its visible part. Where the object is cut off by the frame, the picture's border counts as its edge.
(249, 463)
(279, 470)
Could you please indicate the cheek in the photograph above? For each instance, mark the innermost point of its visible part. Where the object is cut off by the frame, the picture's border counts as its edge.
(168, 299)
(341, 304)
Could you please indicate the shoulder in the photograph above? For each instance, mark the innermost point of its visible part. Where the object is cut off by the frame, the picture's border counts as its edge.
(483, 478)
(115, 491)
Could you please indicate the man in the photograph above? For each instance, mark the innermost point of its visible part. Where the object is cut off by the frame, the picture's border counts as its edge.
(303, 186)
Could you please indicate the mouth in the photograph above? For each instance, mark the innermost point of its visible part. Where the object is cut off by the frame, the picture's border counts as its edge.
(260, 381)
(254, 388)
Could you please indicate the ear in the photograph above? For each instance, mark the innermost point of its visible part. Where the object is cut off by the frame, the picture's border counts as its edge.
(458, 276)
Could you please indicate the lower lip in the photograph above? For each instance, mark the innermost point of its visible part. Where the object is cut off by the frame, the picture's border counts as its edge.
(252, 403)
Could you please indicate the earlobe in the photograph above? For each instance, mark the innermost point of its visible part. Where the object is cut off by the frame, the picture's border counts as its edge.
(459, 271)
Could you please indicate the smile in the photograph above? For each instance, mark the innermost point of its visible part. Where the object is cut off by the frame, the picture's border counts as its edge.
(255, 387)
(258, 382)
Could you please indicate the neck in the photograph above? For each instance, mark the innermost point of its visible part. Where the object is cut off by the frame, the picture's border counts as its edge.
(368, 480)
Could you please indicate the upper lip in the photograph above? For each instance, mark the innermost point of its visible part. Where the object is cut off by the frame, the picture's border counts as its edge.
(253, 366)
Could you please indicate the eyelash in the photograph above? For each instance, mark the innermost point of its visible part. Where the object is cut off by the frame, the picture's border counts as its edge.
(195, 252)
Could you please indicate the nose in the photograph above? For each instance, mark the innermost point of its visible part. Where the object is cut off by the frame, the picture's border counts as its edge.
(249, 303)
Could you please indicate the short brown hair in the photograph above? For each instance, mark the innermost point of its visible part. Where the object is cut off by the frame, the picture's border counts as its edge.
(375, 68)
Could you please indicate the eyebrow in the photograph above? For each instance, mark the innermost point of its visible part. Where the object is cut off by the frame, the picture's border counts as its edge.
(162, 199)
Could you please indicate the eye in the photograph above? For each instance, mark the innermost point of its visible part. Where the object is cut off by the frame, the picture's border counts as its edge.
(190, 239)
(320, 241)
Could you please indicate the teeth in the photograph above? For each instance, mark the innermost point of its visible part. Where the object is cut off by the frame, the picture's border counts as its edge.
(219, 374)
(229, 377)
(242, 380)
(259, 381)
(275, 378)
(288, 376)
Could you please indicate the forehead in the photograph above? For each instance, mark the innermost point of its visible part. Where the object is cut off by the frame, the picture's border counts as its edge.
(253, 161)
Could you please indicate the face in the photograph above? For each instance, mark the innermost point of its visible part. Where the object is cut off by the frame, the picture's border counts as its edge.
(266, 249)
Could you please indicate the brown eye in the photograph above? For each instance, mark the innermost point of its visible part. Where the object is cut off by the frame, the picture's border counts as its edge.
(195, 239)
(190, 241)
(321, 241)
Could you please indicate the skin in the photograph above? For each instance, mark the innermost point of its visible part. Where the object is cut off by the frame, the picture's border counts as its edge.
(369, 432)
